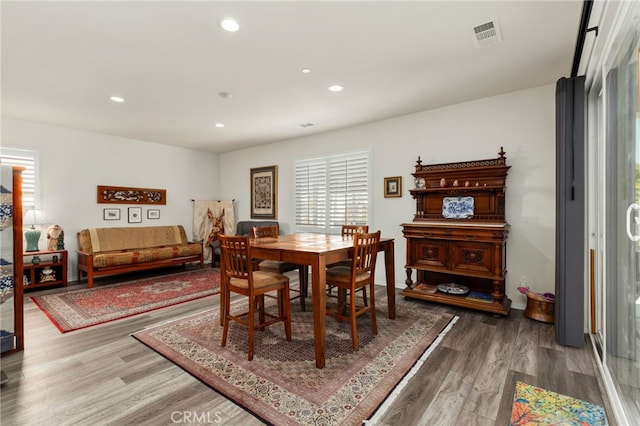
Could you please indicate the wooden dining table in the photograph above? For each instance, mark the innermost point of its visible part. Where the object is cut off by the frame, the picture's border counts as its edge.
(318, 251)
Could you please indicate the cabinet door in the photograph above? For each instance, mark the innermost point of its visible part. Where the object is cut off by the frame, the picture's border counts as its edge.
(430, 253)
(472, 257)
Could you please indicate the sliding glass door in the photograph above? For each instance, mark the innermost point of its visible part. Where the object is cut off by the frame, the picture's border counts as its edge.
(618, 223)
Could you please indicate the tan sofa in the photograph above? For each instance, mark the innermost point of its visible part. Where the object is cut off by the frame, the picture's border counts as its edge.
(109, 251)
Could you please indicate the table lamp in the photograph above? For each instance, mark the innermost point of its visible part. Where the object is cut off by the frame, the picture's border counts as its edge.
(33, 217)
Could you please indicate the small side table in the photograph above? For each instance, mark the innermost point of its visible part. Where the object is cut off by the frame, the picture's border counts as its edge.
(44, 268)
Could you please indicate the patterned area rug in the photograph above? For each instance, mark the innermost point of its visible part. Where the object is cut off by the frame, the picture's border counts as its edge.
(281, 385)
(76, 309)
(536, 406)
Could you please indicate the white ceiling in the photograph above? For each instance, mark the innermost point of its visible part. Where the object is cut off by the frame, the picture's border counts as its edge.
(61, 61)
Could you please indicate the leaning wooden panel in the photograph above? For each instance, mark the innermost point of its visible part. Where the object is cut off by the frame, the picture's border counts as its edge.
(124, 195)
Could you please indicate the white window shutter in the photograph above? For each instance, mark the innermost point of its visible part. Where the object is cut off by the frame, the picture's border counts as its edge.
(29, 160)
(332, 191)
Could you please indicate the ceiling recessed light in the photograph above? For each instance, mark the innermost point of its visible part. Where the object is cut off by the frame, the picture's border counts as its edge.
(229, 24)
(306, 70)
(117, 99)
(219, 125)
(336, 88)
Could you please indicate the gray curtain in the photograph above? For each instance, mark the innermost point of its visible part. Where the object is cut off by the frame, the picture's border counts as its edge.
(570, 211)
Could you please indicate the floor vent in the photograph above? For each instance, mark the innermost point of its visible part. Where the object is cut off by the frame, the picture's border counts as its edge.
(487, 34)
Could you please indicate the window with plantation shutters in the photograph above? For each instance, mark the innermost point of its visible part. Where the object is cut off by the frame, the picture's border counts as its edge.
(29, 160)
(311, 193)
(332, 191)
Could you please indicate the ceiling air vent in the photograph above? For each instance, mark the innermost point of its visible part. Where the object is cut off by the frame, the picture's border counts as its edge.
(487, 34)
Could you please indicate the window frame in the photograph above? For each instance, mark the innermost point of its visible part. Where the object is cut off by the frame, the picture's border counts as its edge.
(324, 170)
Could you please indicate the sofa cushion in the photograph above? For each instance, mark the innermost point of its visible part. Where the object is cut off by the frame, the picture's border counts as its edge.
(97, 240)
(129, 257)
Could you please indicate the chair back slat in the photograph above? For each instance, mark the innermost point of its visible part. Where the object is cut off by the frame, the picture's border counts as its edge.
(351, 230)
(236, 260)
(365, 251)
(270, 231)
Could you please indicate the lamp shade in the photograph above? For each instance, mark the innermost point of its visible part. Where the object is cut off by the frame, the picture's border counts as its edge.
(32, 235)
(34, 217)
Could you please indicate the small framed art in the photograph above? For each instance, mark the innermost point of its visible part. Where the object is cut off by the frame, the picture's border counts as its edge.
(111, 214)
(135, 214)
(153, 214)
(393, 186)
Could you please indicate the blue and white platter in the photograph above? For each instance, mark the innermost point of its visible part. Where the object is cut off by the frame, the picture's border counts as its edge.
(457, 207)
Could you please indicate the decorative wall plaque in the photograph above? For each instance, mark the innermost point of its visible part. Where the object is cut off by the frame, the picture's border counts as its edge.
(123, 195)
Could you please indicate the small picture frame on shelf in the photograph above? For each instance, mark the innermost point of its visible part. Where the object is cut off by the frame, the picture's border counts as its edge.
(135, 214)
(393, 187)
(111, 214)
(153, 214)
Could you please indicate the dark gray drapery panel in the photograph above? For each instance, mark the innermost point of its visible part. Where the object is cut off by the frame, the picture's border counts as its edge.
(570, 211)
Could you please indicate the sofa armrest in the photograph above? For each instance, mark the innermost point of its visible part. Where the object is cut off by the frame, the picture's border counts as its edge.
(85, 258)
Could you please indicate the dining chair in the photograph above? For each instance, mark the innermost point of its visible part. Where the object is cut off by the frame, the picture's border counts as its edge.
(348, 231)
(360, 274)
(239, 277)
(279, 267)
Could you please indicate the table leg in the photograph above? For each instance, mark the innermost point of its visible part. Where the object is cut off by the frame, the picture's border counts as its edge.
(318, 295)
(222, 298)
(389, 267)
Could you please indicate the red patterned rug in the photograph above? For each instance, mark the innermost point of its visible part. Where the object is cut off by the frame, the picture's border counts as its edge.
(76, 309)
(281, 385)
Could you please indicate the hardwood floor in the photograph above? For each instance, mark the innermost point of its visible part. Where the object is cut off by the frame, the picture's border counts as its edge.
(101, 375)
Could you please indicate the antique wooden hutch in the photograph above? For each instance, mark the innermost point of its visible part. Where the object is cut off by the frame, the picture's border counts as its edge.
(458, 238)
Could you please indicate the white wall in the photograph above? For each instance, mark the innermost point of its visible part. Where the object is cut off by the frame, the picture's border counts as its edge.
(522, 122)
(74, 162)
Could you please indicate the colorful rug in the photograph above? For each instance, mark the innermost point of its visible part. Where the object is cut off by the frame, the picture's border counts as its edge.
(282, 385)
(76, 309)
(537, 406)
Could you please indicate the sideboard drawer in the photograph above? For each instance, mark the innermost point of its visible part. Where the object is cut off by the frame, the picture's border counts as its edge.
(427, 252)
(470, 257)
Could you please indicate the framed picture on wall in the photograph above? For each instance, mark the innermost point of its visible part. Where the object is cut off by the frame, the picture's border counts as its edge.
(153, 214)
(264, 192)
(135, 214)
(393, 186)
(111, 214)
